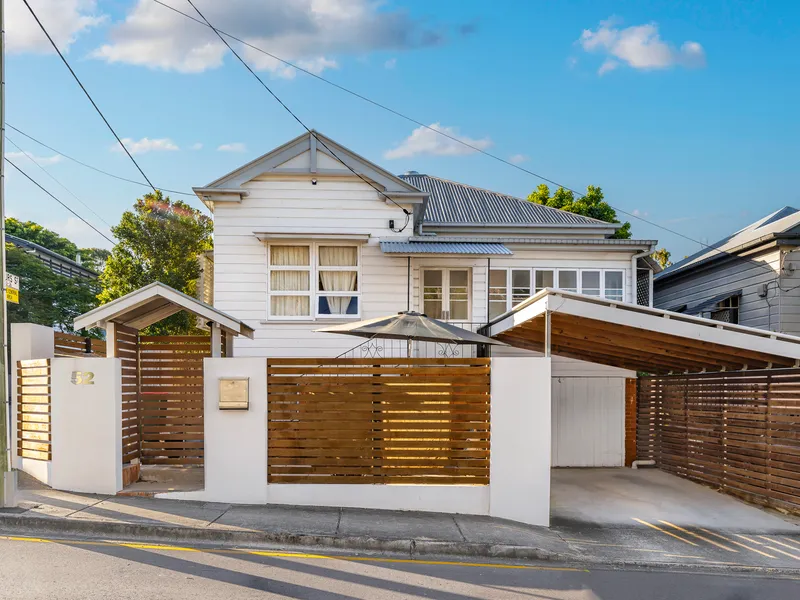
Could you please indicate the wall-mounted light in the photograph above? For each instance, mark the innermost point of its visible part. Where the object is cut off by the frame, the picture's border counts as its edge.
(313, 182)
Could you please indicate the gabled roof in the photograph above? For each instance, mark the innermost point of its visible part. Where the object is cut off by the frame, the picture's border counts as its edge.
(452, 203)
(778, 224)
(322, 156)
(155, 302)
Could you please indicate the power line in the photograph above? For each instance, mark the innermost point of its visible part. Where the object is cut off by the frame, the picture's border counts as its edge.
(93, 168)
(377, 104)
(85, 91)
(37, 184)
(46, 172)
(296, 118)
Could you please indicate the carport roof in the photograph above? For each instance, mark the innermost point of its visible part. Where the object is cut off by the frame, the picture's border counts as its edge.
(639, 338)
(155, 302)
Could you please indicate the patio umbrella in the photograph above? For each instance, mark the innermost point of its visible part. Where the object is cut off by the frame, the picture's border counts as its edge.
(411, 326)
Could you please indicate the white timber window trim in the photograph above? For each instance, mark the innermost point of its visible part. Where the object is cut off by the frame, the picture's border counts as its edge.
(509, 295)
(315, 271)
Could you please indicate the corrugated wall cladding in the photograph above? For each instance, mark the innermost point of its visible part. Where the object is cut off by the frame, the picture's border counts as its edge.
(737, 431)
(386, 421)
(452, 202)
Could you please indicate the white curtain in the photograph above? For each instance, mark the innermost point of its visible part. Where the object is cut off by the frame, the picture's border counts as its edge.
(290, 281)
(338, 281)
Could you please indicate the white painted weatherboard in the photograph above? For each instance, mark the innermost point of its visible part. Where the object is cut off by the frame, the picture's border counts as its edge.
(588, 422)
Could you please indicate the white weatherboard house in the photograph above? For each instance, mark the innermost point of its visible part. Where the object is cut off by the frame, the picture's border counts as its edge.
(312, 234)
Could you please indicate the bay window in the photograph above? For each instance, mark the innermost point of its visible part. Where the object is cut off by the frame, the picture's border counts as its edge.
(334, 271)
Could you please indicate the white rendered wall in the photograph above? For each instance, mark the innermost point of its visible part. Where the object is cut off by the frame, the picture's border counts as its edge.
(520, 459)
(86, 425)
(461, 499)
(28, 341)
(235, 440)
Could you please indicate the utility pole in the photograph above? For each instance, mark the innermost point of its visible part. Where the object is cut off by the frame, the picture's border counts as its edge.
(5, 468)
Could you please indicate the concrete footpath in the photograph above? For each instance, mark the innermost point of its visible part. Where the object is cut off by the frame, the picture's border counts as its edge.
(652, 543)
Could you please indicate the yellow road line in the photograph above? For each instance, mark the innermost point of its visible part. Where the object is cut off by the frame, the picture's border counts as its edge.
(657, 528)
(735, 542)
(763, 537)
(751, 540)
(698, 536)
(298, 555)
(792, 542)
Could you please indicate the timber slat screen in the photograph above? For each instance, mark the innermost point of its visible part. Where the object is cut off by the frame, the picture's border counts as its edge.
(171, 398)
(68, 344)
(127, 350)
(378, 421)
(738, 431)
(33, 409)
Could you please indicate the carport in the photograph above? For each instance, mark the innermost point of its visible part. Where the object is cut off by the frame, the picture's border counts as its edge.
(718, 403)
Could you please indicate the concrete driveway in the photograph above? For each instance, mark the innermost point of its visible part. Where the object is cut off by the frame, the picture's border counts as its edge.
(618, 497)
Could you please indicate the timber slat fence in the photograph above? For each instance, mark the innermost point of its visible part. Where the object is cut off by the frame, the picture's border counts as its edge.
(68, 344)
(33, 409)
(397, 420)
(738, 431)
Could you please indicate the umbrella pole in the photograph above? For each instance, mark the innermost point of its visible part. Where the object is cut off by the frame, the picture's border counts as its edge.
(408, 348)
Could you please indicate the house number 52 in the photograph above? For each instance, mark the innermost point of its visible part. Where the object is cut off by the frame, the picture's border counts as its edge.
(82, 378)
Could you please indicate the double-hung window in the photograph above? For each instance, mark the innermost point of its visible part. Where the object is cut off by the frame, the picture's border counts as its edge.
(614, 287)
(568, 280)
(308, 281)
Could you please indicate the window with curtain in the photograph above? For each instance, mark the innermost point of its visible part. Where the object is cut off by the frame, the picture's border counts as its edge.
(337, 271)
(290, 281)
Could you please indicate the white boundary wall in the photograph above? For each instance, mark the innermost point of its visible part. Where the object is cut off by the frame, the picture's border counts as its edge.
(236, 452)
(86, 425)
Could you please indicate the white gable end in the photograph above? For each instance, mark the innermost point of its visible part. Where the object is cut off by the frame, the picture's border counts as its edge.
(303, 161)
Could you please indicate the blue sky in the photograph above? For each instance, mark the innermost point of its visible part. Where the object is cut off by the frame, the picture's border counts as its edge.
(683, 112)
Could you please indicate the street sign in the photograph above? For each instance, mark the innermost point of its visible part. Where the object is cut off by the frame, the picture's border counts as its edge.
(12, 281)
(12, 295)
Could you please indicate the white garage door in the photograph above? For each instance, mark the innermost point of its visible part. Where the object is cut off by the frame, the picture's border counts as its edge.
(588, 422)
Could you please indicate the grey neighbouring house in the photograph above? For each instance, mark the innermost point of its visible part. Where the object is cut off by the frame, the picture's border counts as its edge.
(750, 277)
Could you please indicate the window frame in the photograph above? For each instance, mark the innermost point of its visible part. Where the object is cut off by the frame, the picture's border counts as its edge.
(446, 291)
(605, 286)
(313, 292)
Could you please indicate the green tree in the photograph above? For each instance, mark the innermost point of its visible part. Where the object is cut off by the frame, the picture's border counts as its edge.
(94, 258)
(590, 205)
(662, 257)
(47, 298)
(33, 232)
(159, 240)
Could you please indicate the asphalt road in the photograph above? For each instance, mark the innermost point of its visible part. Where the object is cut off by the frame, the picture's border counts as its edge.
(87, 570)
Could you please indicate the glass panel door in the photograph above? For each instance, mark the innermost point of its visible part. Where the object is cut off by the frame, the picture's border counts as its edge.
(446, 294)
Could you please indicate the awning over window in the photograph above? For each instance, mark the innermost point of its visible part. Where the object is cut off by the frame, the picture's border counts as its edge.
(639, 338)
(471, 248)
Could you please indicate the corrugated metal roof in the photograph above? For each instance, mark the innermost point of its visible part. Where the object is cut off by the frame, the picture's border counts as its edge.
(452, 203)
(443, 248)
(535, 240)
(763, 230)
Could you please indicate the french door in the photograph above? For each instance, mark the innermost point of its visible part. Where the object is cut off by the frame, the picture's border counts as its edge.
(446, 294)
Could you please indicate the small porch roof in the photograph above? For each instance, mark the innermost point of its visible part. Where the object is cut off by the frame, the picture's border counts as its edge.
(639, 338)
(153, 303)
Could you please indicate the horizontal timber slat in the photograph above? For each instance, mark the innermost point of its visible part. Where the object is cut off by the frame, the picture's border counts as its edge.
(33, 409)
(378, 421)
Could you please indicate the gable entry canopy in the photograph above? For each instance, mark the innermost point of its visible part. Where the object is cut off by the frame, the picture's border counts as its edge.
(155, 302)
(638, 338)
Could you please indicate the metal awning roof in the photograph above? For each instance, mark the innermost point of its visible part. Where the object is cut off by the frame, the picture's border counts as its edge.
(155, 302)
(637, 337)
(472, 248)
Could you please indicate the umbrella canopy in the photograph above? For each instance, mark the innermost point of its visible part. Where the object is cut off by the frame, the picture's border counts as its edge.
(411, 326)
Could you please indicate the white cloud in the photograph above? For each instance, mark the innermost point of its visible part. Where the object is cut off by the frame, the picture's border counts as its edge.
(232, 147)
(517, 158)
(424, 141)
(65, 20)
(196, 146)
(41, 160)
(307, 32)
(146, 145)
(640, 47)
(390, 64)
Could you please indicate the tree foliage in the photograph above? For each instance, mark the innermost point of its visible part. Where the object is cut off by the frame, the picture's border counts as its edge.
(590, 205)
(159, 240)
(33, 232)
(662, 257)
(47, 298)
